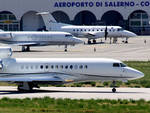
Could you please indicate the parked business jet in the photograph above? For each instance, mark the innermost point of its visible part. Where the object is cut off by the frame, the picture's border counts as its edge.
(28, 39)
(29, 72)
(89, 32)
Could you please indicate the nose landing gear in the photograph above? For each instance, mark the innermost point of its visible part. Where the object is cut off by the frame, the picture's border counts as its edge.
(113, 84)
(65, 48)
(113, 90)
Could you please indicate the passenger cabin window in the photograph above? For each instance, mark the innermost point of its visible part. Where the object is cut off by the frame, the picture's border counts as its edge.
(122, 65)
(46, 66)
(85, 66)
(75, 67)
(116, 65)
(52, 66)
(41, 66)
(81, 67)
(71, 66)
(61, 66)
(66, 67)
(56, 66)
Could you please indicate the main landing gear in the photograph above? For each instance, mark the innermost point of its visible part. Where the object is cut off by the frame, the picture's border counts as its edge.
(126, 40)
(25, 48)
(65, 48)
(27, 87)
(113, 84)
(94, 41)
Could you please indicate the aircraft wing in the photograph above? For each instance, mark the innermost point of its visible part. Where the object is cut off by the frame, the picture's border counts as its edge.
(95, 34)
(38, 77)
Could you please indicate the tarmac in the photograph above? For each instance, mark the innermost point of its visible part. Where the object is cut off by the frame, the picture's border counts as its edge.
(135, 50)
(78, 93)
(138, 49)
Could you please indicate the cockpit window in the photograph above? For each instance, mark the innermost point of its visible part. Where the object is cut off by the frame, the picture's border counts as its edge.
(116, 65)
(122, 65)
(120, 29)
(68, 35)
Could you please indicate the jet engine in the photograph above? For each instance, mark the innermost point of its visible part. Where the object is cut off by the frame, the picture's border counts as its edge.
(5, 52)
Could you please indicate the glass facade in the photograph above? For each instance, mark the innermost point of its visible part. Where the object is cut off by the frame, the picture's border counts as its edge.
(8, 22)
(139, 23)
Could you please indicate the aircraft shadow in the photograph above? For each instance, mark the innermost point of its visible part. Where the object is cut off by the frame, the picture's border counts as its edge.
(30, 51)
(60, 91)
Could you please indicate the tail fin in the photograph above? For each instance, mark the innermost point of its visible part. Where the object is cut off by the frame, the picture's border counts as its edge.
(48, 19)
(50, 22)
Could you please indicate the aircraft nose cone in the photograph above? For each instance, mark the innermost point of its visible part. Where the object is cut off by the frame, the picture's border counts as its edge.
(129, 34)
(78, 41)
(134, 74)
(139, 74)
(132, 34)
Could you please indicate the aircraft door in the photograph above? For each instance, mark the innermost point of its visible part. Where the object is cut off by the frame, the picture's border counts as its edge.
(1, 65)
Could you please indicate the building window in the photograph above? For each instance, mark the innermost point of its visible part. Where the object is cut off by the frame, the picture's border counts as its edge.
(8, 22)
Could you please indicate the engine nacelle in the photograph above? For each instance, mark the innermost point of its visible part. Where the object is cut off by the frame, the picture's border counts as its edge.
(5, 52)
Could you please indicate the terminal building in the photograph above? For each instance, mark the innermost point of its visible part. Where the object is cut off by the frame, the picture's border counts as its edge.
(20, 15)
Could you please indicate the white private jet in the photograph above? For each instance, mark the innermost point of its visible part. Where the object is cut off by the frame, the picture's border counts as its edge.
(27, 39)
(29, 72)
(89, 32)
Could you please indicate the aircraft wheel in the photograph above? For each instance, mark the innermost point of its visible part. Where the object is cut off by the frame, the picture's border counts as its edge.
(20, 89)
(94, 41)
(89, 42)
(65, 50)
(28, 48)
(23, 49)
(126, 42)
(114, 90)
